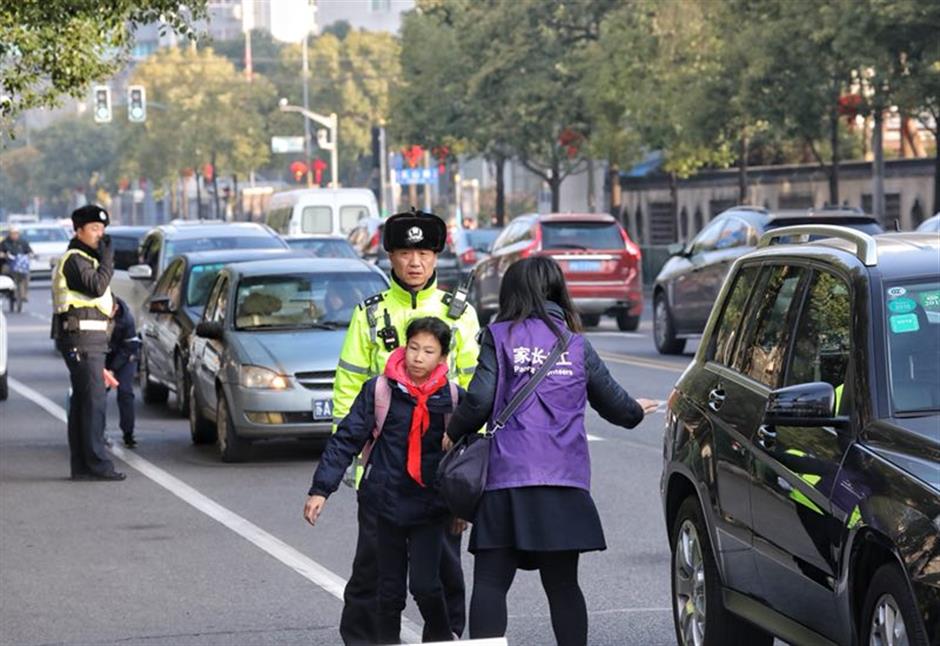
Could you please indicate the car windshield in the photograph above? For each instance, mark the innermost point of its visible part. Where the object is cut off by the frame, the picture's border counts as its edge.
(44, 234)
(324, 248)
(307, 300)
(200, 282)
(215, 243)
(913, 313)
(581, 235)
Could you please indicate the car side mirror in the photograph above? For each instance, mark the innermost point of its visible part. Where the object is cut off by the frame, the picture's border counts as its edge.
(160, 305)
(803, 405)
(140, 272)
(209, 330)
(676, 249)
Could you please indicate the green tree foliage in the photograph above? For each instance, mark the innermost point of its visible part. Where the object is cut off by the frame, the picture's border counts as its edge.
(352, 77)
(200, 110)
(49, 48)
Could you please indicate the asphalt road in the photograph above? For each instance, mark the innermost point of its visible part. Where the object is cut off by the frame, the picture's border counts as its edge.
(192, 551)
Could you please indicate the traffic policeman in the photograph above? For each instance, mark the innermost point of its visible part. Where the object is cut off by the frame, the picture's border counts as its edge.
(413, 241)
(82, 305)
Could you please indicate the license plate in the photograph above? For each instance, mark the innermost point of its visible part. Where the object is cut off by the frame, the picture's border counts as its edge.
(584, 265)
(322, 409)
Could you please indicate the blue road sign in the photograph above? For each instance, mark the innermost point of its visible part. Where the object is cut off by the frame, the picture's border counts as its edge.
(408, 176)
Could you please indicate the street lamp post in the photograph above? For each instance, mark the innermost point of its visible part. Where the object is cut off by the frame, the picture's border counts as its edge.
(331, 125)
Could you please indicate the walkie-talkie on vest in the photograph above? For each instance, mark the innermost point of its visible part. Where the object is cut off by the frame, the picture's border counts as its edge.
(458, 298)
(388, 334)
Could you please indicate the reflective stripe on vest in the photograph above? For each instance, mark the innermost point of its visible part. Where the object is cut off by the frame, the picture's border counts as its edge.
(64, 298)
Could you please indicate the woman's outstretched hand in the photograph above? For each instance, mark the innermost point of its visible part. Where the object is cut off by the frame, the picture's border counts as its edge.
(648, 405)
(313, 508)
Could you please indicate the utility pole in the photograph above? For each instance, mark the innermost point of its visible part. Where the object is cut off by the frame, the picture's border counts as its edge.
(383, 172)
(331, 125)
(306, 74)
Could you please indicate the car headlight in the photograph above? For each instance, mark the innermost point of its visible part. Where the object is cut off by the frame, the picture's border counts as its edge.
(258, 377)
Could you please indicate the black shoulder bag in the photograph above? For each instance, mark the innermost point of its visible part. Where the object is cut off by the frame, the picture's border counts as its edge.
(462, 472)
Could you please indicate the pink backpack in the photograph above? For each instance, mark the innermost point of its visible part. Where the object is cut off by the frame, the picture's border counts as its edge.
(383, 401)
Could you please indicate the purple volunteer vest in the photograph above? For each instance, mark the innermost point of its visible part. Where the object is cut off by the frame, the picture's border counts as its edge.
(544, 442)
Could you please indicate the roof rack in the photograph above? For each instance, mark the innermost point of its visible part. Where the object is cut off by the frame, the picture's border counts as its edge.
(866, 248)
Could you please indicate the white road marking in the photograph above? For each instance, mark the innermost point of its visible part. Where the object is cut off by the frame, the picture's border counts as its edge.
(27, 329)
(629, 335)
(289, 556)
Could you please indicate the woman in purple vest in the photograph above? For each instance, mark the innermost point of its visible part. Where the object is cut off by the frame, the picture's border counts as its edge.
(537, 511)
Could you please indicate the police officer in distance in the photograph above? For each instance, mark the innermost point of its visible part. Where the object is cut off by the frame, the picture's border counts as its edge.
(413, 241)
(82, 306)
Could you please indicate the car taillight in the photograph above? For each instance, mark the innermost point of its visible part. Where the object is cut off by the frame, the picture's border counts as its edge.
(629, 245)
(469, 257)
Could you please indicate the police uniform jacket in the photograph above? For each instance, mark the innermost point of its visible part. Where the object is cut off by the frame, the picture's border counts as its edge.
(386, 486)
(123, 343)
(81, 275)
(364, 353)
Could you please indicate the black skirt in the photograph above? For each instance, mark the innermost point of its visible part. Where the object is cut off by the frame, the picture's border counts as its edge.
(537, 519)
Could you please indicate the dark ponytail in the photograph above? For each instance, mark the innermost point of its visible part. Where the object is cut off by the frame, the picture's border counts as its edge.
(527, 285)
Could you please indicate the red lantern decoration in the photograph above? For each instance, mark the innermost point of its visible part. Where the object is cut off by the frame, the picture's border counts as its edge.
(412, 155)
(318, 167)
(298, 170)
(570, 140)
(207, 172)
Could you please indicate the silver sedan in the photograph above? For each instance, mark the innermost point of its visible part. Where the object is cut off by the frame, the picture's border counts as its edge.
(264, 355)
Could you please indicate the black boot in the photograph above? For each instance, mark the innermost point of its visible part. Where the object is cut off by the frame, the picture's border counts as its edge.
(129, 441)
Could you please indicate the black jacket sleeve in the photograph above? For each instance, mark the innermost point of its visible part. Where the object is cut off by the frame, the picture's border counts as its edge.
(606, 396)
(81, 275)
(475, 408)
(347, 442)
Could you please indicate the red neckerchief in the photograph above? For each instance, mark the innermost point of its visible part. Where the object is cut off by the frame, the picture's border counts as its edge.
(421, 418)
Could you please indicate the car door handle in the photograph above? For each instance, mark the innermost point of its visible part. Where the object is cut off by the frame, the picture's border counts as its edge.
(766, 437)
(716, 399)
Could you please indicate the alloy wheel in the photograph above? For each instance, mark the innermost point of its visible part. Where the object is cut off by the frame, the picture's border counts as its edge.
(689, 585)
(887, 624)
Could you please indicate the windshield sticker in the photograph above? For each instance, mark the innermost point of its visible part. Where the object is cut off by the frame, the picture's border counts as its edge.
(902, 305)
(930, 300)
(903, 323)
(894, 292)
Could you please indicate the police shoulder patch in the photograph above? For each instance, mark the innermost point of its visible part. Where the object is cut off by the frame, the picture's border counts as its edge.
(375, 299)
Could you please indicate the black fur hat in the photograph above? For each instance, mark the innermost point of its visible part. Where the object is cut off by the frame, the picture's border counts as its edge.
(89, 213)
(414, 230)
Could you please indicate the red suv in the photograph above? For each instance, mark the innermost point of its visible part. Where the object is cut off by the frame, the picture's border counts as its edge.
(601, 264)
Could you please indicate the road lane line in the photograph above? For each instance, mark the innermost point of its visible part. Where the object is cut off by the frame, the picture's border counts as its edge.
(640, 361)
(611, 333)
(289, 556)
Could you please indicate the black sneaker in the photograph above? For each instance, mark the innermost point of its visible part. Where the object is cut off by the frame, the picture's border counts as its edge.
(129, 441)
(114, 476)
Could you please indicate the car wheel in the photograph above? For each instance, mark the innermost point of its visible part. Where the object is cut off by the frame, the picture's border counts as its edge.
(664, 332)
(182, 388)
(698, 611)
(231, 447)
(153, 392)
(590, 320)
(627, 323)
(4, 387)
(890, 616)
(201, 430)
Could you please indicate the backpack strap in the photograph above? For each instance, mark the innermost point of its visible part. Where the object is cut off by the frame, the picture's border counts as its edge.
(454, 394)
(383, 401)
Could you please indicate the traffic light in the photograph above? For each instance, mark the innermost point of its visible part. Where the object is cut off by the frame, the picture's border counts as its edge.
(102, 104)
(136, 103)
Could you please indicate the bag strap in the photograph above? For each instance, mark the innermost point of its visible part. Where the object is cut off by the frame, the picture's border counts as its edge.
(530, 386)
(454, 394)
(383, 401)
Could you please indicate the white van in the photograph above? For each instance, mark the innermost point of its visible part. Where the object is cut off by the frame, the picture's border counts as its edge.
(320, 211)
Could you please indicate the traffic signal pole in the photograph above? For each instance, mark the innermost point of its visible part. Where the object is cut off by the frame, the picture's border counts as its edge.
(331, 125)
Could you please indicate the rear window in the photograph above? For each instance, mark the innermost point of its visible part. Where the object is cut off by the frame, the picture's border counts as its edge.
(324, 248)
(207, 243)
(913, 312)
(316, 219)
(44, 234)
(350, 216)
(581, 235)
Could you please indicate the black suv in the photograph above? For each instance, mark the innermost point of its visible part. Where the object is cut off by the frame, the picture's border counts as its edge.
(801, 480)
(687, 285)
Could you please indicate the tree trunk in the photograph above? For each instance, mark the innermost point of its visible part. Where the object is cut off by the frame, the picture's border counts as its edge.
(742, 169)
(591, 197)
(555, 185)
(237, 204)
(834, 143)
(198, 196)
(500, 164)
(615, 192)
(674, 198)
(215, 188)
(936, 171)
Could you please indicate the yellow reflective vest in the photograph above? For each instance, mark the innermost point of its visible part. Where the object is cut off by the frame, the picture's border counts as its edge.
(63, 298)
